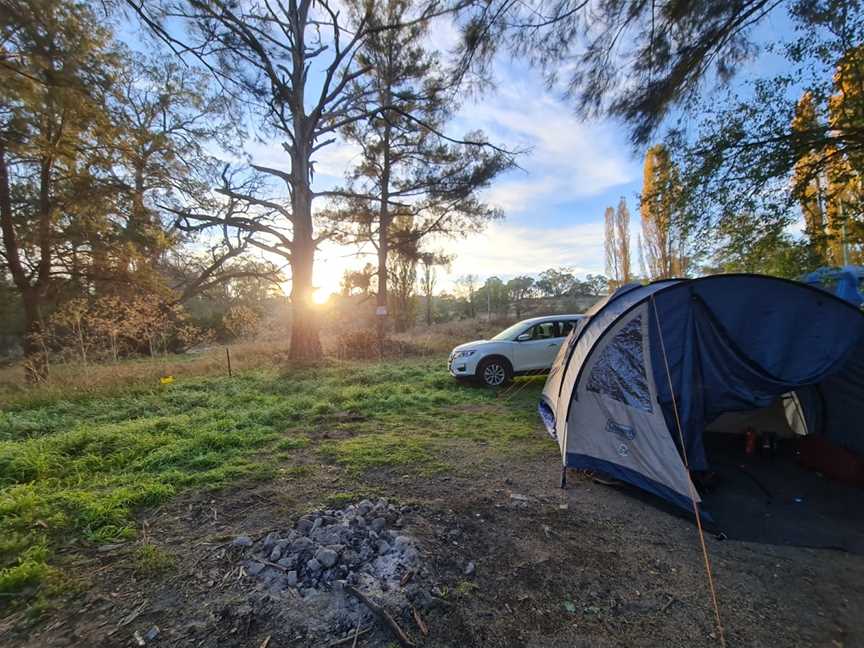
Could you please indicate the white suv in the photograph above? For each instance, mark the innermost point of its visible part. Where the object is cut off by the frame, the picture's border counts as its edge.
(529, 346)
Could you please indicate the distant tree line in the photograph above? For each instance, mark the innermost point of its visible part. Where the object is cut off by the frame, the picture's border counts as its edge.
(471, 298)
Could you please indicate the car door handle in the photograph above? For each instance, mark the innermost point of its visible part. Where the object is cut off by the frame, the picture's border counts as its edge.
(551, 344)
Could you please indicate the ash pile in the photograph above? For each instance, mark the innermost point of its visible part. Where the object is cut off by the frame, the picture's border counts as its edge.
(363, 545)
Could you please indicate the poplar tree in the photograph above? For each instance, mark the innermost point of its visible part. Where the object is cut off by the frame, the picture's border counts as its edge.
(808, 178)
(663, 238)
(845, 204)
(610, 246)
(622, 233)
(826, 178)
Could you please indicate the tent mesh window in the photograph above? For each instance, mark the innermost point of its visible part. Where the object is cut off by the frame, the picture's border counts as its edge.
(619, 372)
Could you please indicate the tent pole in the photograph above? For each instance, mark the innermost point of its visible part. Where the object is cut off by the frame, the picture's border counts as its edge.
(564, 476)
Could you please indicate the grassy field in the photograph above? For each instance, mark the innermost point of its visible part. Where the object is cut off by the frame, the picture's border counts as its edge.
(75, 471)
(119, 501)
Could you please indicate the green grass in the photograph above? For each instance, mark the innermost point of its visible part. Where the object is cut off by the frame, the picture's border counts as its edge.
(150, 559)
(80, 468)
(380, 450)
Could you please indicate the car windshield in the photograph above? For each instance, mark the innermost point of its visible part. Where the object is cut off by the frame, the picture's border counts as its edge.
(511, 331)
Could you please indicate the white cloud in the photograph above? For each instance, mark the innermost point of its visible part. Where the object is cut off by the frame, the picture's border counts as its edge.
(443, 36)
(335, 159)
(568, 159)
(504, 250)
(507, 250)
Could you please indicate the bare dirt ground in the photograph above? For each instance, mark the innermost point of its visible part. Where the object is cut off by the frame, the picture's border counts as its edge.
(589, 566)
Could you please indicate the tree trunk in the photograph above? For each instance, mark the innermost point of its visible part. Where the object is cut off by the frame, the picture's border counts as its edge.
(383, 235)
(305, 341)
(35, 361)
(381, 297)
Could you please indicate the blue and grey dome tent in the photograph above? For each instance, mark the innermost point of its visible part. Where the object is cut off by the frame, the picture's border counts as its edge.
(637, 382)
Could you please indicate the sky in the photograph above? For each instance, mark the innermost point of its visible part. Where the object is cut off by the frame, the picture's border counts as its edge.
(553, 205)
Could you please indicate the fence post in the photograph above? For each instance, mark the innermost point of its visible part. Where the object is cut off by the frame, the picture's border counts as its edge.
(228, 356)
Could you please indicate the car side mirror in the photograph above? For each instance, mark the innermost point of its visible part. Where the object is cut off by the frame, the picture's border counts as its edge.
(524, 337)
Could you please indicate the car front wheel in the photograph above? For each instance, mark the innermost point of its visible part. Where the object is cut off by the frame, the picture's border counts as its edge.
(494, 372)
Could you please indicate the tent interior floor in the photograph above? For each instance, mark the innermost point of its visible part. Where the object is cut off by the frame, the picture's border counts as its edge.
(773, 500)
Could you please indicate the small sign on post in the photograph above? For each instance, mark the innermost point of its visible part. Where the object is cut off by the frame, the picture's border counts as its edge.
(381, 311)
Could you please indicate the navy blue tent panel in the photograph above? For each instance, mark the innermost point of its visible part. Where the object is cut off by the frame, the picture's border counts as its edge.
(738, 342)
(838, 404)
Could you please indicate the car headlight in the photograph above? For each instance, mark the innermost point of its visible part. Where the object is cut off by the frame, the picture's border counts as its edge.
(464, 354)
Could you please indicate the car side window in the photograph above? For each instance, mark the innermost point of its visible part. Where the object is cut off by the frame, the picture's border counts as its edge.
(565, 328)
(543, 331)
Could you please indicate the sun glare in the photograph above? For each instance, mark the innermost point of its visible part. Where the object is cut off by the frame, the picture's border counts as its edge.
(320, 296)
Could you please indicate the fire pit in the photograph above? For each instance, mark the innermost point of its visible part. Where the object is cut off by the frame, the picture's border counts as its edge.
(327, 554)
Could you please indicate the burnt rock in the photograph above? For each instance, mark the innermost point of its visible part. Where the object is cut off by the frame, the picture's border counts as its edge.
(327, 536)
(328, 576)
(350, 557)
(278, 584)
(304, 524)
(382, 547)
(326, 557)
(301, 544)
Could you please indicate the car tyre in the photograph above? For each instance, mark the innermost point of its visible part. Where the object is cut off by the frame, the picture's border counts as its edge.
(494, 372)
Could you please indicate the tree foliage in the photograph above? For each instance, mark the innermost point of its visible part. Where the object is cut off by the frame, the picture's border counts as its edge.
(785, 143)
(617, 243)
(663, 245)
(56, 62)
(630, 59)
(97, 147)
